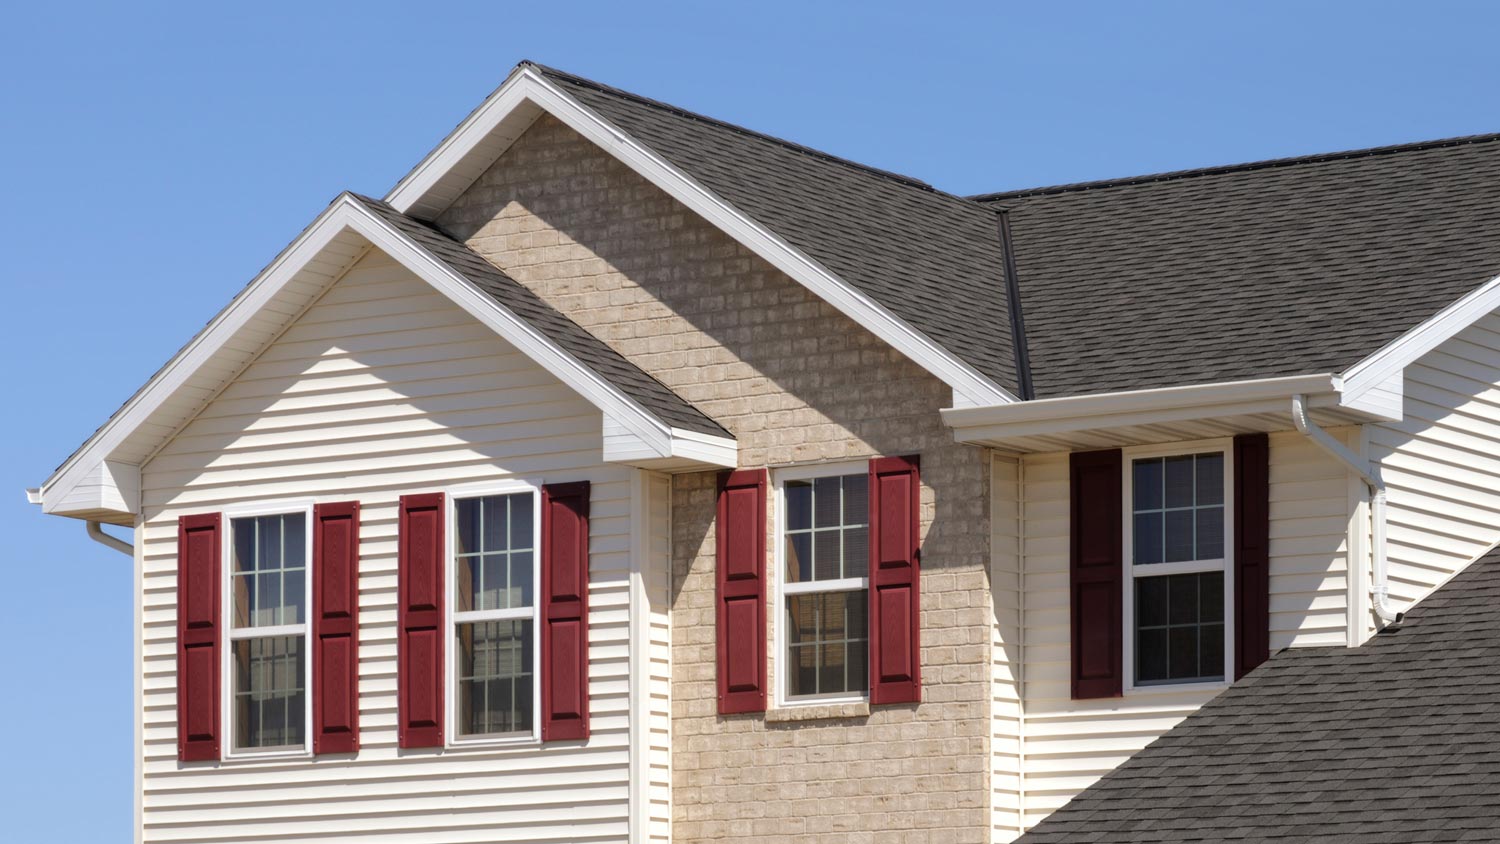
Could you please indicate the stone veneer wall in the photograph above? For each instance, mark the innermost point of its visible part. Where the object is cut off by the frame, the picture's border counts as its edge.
(795, 381)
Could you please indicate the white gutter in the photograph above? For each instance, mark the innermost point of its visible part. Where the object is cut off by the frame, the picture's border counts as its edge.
(1370, 474)
(96, 533)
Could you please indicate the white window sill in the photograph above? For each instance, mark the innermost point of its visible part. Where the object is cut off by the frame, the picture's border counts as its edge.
(268, 755)
(817, 711)
(1177, 688)
(494, 743)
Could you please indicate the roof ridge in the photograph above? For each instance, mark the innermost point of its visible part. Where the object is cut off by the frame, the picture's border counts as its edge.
(909, 181)
(1249, 166)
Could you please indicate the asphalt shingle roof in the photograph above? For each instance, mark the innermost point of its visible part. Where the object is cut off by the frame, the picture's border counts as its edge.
(931, 258)
(1394, 742)
(1276, 268)
(567, 334)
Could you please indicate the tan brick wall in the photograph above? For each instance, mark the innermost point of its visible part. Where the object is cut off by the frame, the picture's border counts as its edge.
(795, 381)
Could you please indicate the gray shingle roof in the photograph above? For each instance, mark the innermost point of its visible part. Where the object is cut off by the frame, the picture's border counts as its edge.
(570, 336)
(930, 258)
(1396, 741)
(1251, 271)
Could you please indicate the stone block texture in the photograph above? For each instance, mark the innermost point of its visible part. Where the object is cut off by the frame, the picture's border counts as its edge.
(796, 382)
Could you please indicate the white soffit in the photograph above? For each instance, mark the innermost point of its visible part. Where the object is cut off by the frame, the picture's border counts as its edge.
(484, 136)
(100, 480)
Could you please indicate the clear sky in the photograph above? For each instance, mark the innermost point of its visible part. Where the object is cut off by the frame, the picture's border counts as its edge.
(156, 156)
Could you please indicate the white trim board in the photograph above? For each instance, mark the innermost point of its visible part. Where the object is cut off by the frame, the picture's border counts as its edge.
(639, 434)
(485, 135)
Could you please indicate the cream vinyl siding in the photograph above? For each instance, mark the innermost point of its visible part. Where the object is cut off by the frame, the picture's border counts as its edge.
(1047, 746)
(1441, 464)
(383, 387)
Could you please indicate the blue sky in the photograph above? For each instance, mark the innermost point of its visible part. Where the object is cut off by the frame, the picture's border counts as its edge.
(156, 156)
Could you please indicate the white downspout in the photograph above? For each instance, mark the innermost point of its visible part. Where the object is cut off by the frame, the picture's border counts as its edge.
(96, 533)
(1370, 474)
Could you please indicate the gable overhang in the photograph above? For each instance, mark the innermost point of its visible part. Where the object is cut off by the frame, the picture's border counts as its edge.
(101, 481)
(1170, 414)
(485, 135)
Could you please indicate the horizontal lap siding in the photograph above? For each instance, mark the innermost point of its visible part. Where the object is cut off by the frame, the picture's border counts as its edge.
(384, 388)
(1066, 745)
(1441, 463)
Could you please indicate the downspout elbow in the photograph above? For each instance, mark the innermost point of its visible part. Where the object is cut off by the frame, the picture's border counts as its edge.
(1370, 474)
(96, 533)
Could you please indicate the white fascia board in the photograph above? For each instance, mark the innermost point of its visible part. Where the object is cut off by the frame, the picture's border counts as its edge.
(1141, 407)
(686, 449)
(651, 435)
(527, 88)
(1405, 350)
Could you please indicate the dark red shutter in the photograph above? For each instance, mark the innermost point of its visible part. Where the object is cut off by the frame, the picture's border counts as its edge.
(199, 548)
(335, 621)
(740, 574)
(895, 581)
(419, 650)
(565, 611)
(1097, 570)
(1252, 552)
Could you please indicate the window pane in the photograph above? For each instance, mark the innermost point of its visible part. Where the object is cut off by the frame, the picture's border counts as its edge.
(269, 692)
(1211, 533)
(466, 514)
(857, 552)
(827, 555)
(1179, 535)
(856, 500)
(520, 579)
(1210, 487)
(268, 584)
(827, 502)
(1178, 484)
(1147, 538)
(1147, 484)
(494, 677)
(798, 505)
(827, 643)
(1151, 601)
(1179, 628)
(494, 524)
(521, 517)
(799, 558)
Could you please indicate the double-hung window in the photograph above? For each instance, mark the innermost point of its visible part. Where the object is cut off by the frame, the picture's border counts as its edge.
(823, 626)
(269, 706)
(494, 615)
(1178, 589)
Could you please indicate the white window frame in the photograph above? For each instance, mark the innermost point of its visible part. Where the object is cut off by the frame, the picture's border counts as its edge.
(1225, 564)
(452, 618)
(779, 479)
(226, 659)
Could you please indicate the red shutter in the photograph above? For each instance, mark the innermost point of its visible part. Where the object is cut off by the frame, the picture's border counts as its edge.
(335, 621)
(1252, 558)
(198, 595)
(565, 611)
(420, 671)
(1097, 569)
(895, 581)
(740, 574)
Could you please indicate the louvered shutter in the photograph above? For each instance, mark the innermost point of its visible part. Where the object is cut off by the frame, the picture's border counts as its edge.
(420, 672)
(740, 575)
(1096, 573)
(335, 622)
(199, 551)
(565, 611)
(895, 581)
(1252, 560)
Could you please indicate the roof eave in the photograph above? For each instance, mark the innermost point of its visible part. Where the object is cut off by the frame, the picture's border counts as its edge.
(1137, 417)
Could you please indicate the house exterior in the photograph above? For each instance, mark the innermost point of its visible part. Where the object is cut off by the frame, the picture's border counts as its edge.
(626, 476)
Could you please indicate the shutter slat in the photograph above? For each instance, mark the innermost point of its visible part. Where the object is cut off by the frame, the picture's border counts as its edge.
(199, 551)
(1252, 552)
(895, 491)
(740, 579)
(1096, 573)
(420, 675)
(565, 611)
(335, 622)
